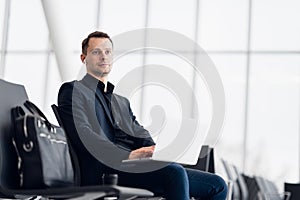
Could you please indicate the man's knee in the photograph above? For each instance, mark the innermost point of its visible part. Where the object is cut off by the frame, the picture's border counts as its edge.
(177, 172)
(221, 186)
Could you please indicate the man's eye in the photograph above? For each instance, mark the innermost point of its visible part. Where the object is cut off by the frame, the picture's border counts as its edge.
(107, 52)
(95, 52)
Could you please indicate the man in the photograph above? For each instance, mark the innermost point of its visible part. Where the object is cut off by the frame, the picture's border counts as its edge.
(94, 115)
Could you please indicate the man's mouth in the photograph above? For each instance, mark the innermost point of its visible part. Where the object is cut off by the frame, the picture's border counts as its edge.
(103, 64)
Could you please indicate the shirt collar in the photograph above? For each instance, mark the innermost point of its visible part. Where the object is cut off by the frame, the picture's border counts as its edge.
(109, 89)
(100, 85)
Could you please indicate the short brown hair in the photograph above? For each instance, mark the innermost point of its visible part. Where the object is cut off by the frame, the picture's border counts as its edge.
(96, 34)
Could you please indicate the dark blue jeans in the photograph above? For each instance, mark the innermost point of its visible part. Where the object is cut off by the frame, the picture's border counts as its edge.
(174, 182)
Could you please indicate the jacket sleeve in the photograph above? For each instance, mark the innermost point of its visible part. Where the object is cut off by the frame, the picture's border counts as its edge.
(142, 136)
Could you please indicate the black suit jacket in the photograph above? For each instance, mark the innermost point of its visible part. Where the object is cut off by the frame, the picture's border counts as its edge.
(101, 136)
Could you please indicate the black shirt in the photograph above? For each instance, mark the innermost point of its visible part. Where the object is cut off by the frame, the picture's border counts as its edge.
(107, 95)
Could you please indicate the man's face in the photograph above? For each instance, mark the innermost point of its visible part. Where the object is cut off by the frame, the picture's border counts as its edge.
(99, 57)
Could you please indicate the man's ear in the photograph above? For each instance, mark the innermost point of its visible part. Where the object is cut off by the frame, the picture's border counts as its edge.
(82, 57)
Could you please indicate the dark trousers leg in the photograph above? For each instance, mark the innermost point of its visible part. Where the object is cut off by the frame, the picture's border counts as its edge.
(176, 183)
(170, 182)
(204, 185)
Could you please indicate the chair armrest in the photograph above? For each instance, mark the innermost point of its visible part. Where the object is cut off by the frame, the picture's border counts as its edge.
(229, 189)
(93, 192)
(283, 195)
(126, 192)
(287, 195)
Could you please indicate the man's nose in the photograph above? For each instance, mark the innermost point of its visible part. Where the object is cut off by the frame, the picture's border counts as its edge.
(102, 56)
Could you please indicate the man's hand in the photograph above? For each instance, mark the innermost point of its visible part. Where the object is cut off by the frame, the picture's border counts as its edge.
(143, 152)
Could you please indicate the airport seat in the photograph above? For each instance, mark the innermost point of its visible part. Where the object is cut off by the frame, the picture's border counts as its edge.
(233, 180)
(293, 189)
(268, 190)
(205, 161)
(251, 186)
(244, 193)
(13, 95)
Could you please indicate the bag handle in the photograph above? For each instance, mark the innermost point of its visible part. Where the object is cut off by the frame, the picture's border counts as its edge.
(36, 111)
(17, 112)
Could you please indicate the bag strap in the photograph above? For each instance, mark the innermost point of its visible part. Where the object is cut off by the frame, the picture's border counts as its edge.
(14, 115)
(17, 112)
(36, 111)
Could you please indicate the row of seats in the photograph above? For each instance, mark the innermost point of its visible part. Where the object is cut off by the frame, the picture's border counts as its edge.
(16, 95)
(11, 96)
(241, 186)
(245, 187)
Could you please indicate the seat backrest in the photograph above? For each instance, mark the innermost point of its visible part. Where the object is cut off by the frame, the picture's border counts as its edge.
(294, 189)
(242, 184)
(74, 157)
(252, 187)
(231, 176)
(267, 189)
(205, 161)
(11, 96)
(211, 160)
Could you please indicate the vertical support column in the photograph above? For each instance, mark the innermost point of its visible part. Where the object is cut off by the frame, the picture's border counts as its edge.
(98, 12)
(59, 37)
(46, 75)
(245, 143)
(4, 37)
(299, 140)
(196, 38)
(144, 60)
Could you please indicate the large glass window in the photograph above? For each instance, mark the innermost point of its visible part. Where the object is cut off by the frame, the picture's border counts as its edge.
(2, 11)
(120, 16)
(28, 70)
(174, 15)
(222, 29)
(275, 25)
(79, 18)
(274, 116)
(27, 27)
(232, 69)
(223, 24)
